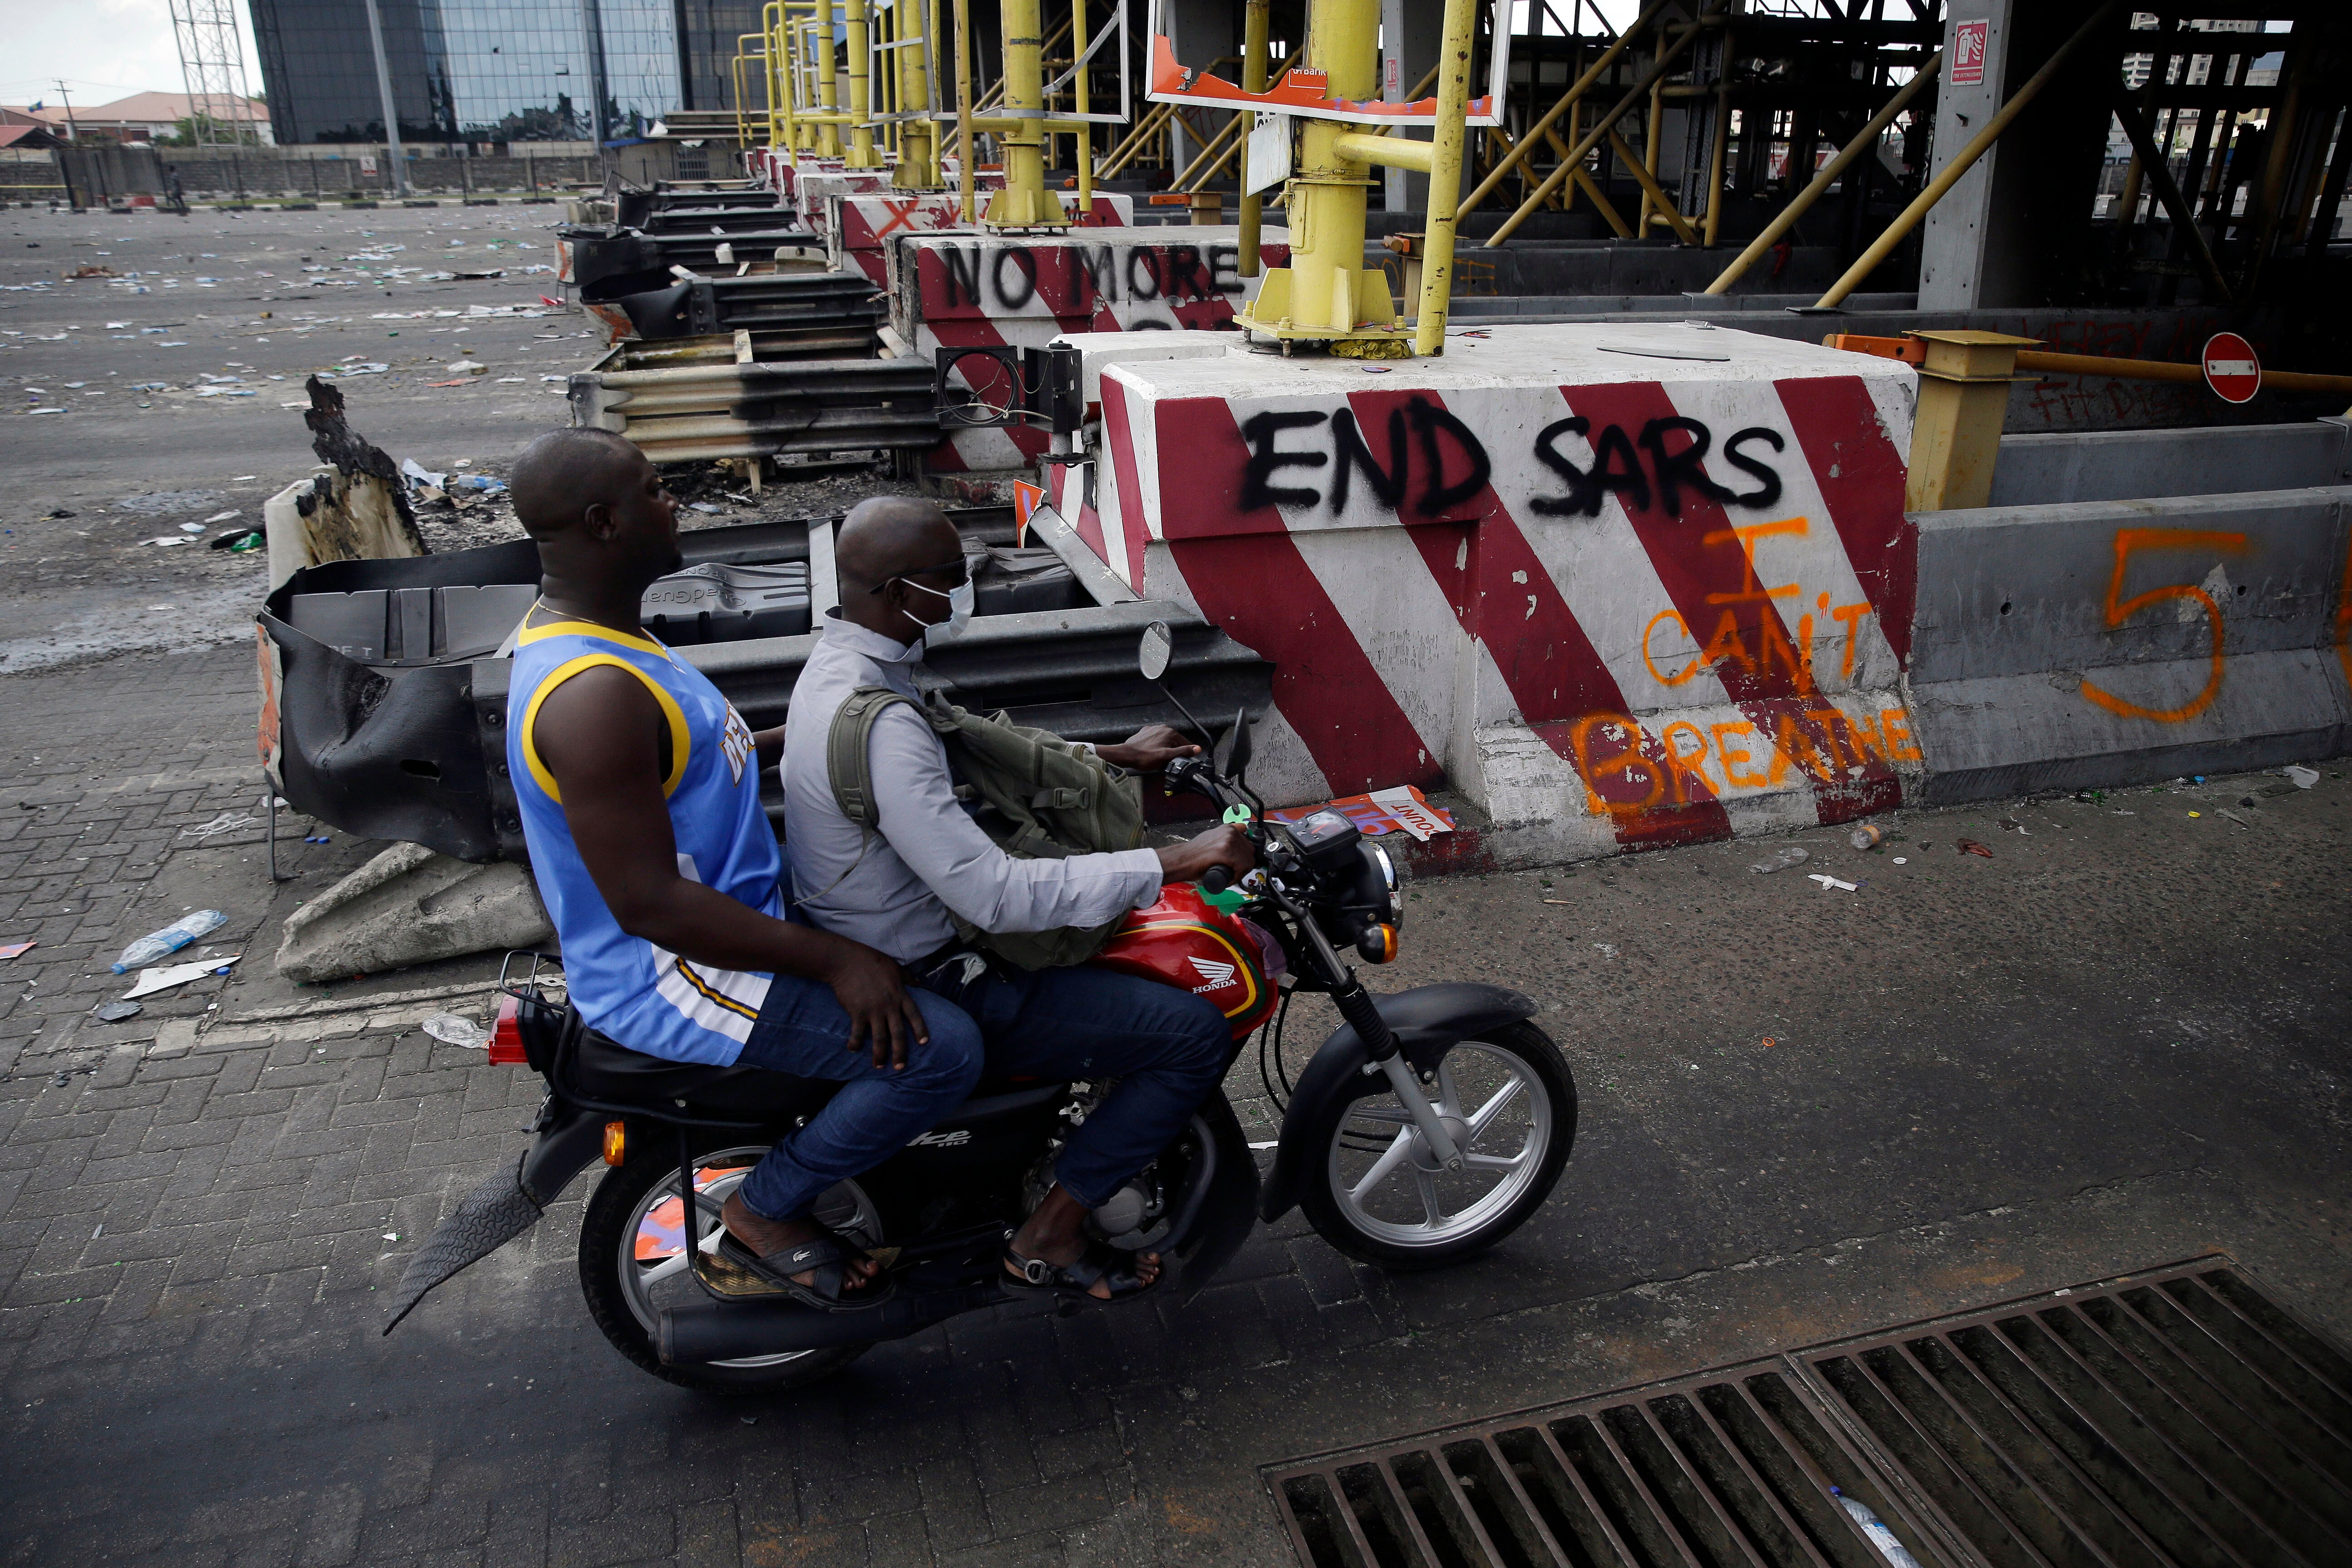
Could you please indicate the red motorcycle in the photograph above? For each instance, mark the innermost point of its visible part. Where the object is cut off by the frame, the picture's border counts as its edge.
(1427, 1128)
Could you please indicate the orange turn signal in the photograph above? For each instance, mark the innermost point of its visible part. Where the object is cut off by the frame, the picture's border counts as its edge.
(1379, 944)
(616, 1143)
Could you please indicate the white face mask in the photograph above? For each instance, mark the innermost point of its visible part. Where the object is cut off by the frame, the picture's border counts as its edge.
(960, 599)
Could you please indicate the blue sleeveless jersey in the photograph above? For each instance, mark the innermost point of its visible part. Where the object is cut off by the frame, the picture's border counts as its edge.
(646, 998)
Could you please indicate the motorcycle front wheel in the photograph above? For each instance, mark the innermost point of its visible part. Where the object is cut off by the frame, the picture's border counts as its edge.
(635, 1243)
(1379, 1194)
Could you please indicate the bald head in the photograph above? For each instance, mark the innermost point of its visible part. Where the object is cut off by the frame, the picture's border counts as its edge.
(565, 472)
(887, 535)
(896, 558)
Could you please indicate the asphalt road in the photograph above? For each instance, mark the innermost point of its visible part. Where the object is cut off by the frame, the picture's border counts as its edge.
(2119, 1042)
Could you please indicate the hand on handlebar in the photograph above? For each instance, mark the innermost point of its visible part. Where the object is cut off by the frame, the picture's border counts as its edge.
(1224, 845)
(1148, 750)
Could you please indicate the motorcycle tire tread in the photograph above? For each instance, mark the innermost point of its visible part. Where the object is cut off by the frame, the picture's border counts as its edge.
(1543, 1059)
(608, 1211)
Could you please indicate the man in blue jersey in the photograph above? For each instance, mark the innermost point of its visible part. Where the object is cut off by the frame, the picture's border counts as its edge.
(640, 799)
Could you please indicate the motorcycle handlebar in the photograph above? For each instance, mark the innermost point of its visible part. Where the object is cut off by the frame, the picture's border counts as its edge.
(1216, 880)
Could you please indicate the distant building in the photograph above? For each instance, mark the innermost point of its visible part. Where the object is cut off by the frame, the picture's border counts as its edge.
(496, 71)
(142, 117)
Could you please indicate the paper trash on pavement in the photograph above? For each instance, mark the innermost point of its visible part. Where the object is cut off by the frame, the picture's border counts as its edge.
(1402, 809)
(154, 980)
(14, 948)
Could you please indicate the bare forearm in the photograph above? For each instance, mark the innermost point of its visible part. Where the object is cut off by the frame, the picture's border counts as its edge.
(708, 927)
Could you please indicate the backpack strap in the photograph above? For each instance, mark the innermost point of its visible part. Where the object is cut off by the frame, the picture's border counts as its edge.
(847, 759)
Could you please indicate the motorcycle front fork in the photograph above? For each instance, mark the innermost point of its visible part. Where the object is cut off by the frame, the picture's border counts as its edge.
(1355, 1004)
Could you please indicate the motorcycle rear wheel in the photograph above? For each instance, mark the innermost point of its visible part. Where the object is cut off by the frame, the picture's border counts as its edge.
(628, 1264)
(1377, 1195)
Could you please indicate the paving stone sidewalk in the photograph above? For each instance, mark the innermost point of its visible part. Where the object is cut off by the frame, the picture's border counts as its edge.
(1976, 1094)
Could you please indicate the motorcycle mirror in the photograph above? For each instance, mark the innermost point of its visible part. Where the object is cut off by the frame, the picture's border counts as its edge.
(1159, 644)
(1238, 750)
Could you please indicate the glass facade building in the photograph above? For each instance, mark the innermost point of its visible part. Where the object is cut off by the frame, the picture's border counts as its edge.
(496, 71)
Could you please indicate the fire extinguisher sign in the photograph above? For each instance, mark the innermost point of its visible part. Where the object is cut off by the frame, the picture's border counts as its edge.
(1966, 68)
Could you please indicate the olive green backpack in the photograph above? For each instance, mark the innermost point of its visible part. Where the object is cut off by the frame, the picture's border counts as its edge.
(1036, 794)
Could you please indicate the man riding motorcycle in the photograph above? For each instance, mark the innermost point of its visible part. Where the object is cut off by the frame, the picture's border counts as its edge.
(640, 801)
(905, 586)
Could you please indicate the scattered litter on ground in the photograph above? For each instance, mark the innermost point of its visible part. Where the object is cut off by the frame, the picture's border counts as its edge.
(2011, 824)
(1402, 809)
(2196, 814)
(1770, 1042)
(115, 1012)
(226, 822)
(1606, 948)
(1828, 882)
(2302, 777)
(1562, 903)
(154, 980)
(14, 948)
(452, 1030)
(2233, 816)
(171, 939)
(1970, 846)
(168, 540)
(1902, 860)
(1782, 860)
(322, 838)
(1869, 835)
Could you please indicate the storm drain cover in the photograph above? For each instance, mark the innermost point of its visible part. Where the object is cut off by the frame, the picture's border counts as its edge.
(2177, 1417)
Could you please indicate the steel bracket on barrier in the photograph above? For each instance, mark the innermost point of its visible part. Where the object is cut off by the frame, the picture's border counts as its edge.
(1002, 384)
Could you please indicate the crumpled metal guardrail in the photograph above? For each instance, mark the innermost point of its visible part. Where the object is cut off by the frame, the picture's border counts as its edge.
(417, 753)
(812, 407)
(780, 304)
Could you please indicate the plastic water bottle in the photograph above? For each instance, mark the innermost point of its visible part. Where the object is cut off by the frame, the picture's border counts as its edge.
(171, 939)
(1867, 837)
(1780, 860)
(1875, 1530)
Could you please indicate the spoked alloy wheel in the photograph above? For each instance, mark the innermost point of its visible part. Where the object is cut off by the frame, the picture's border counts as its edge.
(635, 1261)
(1381, 1194)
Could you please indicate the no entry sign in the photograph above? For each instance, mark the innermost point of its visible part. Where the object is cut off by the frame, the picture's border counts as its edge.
(2230, 368)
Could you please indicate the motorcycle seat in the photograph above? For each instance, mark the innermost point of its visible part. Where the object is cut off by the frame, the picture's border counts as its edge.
(603, 1068)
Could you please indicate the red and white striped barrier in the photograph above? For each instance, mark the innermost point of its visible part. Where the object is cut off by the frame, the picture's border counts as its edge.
(1642, 585)
(985, 290)
(858, 228)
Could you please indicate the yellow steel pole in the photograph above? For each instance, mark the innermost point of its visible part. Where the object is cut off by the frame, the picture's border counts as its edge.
(1648, 177)
(963, 105)
(1080, 102)
(1256, 22)
(828, 81)
(862, 153)
(1025, 202)
(1659, 67)
(919, 140)
(1569, 100)
(1964, 380)
(1949, 175)
(1448, 138)
(1655, 202)
(1852, 151)
(1722, 143)
(1321, 294)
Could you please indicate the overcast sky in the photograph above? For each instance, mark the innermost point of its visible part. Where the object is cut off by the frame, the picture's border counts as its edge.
(104, 50)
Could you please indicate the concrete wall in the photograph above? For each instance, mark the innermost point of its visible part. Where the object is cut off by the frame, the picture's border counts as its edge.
(2126, 465)
(99, 172)
(2120, 642)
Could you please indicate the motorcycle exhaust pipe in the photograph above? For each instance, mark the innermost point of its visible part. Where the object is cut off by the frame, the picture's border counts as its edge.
(705, 1331)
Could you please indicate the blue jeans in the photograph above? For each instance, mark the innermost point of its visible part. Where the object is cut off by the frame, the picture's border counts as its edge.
(803, 1030)
(1167, 1047)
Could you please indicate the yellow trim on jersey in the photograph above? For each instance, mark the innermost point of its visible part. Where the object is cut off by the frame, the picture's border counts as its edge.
(679, 739)
(713, 995)
(1245, 967)
(591, 629)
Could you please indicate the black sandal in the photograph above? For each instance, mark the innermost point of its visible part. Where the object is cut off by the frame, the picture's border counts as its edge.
(1076, 1278)
(828, 1255)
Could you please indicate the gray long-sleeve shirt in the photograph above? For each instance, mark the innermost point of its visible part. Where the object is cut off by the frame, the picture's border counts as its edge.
(892, 889)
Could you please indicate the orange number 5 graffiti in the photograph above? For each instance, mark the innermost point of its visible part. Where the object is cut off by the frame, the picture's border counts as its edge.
(2120, 610)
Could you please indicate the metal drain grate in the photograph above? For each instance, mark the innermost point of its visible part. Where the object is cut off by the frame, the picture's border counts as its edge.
(2171, 1417)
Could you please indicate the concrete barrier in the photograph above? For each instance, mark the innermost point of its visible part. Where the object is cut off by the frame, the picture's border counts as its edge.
(2127, 464)
(2121, 642)
(1623, 586)
(858, 228)
(1638, 584)
(974, 291)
